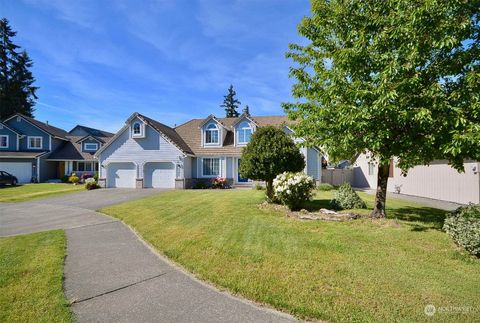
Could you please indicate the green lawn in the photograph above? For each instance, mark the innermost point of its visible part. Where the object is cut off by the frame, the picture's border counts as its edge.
(363, 270)
(31, 271)
(26, 192)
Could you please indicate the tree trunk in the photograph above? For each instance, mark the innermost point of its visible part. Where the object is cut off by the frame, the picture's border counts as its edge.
(381, 194)
(269, 185)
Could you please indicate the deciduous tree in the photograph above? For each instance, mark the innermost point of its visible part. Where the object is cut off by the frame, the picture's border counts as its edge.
(395, 78)
(270, 152)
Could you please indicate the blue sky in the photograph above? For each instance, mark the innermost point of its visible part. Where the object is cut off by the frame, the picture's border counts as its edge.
(96, 62)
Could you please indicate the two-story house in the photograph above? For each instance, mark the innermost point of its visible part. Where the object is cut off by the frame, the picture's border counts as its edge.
(35, 151)
(147, 153)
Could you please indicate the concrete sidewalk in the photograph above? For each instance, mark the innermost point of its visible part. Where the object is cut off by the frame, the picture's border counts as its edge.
(111, 276)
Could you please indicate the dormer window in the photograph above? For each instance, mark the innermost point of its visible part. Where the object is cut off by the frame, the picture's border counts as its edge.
(90, 146)
(212, 134)
(137, 130)
(244, 135)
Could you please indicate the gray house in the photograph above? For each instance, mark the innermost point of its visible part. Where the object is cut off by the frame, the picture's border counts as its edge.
(147, 153)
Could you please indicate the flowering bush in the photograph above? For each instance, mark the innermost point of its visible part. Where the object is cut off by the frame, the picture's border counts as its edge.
(90, 180)
(219, 182)
(84, 176)
(73, 178)
(293, 189)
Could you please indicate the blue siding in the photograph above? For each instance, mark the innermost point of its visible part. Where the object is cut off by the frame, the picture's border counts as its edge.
(12, 138)
(90, 141)
(28, 129)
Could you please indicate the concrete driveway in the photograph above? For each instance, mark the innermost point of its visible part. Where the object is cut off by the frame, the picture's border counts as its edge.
(111, 275)
(63, 211)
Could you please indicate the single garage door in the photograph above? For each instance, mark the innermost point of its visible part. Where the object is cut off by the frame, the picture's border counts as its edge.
(159, 175)
(121, 175)
(22, 171)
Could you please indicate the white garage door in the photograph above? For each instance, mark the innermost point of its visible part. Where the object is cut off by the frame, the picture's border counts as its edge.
(22, 171)
(159, 175)
(121, 175)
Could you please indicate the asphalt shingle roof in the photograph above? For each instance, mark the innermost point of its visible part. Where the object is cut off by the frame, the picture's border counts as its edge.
(190, 133)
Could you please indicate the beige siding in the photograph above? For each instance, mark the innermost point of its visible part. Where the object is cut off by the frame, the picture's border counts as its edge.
(436, 181)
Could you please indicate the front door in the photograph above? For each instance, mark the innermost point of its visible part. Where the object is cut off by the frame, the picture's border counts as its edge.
(239, 178)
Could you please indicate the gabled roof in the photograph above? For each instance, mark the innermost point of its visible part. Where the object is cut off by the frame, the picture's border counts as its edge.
(244, 116)
(4, 125)
(212, 117)
(91, 137)
(168, 133)
(190, 133)
(51, 130)
(93, 132)
(72, 150)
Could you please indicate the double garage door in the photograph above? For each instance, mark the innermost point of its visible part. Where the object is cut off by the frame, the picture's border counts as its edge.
(22, 171)
(156, 175)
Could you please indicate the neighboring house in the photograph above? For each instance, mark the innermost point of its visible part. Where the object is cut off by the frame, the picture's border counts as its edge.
(436, 181)
(147, 153)
(77, 154)
(28, 145)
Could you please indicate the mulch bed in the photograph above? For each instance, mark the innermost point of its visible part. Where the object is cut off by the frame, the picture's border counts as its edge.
(322, 214)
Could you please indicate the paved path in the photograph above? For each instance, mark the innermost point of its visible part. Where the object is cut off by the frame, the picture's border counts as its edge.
(112, 276)
(438, 204)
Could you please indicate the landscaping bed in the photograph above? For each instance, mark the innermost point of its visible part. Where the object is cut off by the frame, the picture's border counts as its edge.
(361, 270)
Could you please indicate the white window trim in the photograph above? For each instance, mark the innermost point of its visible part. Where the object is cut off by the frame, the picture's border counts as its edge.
(219, 167)
(6, 136)
(217, 129)
(244, 129)
(34, 137)
(142, 130)
(90, 143)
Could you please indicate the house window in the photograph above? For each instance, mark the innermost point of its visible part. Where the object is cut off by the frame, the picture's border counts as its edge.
(371, 168)
(3, 141)
(244, 135)
(137, 129)
(35, 142)
(90, 146)
(211, 134)
(211, 167)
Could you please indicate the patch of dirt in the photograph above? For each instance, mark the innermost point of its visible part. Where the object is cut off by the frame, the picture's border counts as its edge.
(322, 214)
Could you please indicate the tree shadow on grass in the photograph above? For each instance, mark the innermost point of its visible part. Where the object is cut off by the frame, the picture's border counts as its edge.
(421, 218)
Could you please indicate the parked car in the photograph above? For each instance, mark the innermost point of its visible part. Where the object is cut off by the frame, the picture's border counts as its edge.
(7, 178)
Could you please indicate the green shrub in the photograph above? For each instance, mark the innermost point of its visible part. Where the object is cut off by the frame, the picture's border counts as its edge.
(463, 225)
(91, 186)
(95, 177)
(65, 178)
(259, 187)
(293, 189)
(325, 187)
(200, 184)
(73, 178)
(346, 198)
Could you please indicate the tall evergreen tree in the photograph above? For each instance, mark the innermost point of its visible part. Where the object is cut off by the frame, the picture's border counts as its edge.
(17, 93)
(230, 103)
